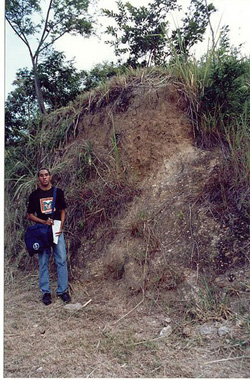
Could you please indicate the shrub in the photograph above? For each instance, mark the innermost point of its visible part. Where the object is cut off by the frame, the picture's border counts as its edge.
(224, 98)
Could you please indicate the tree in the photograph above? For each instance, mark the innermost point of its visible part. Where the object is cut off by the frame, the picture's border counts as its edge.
(21, 108)
(62, 16)
(60, 83)
(140, 32)
(193, 26)
(60, 80)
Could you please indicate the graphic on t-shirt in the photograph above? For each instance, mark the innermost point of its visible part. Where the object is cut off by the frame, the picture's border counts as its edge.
(46, 205)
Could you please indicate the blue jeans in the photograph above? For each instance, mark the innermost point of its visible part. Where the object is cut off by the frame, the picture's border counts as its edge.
(61, 266)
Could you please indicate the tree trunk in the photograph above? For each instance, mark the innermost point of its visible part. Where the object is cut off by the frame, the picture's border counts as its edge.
(39, 94)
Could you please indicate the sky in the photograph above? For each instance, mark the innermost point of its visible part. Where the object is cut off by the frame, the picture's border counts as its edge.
(88, 52)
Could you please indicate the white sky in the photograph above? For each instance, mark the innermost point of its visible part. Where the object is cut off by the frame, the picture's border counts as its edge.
(88, 52)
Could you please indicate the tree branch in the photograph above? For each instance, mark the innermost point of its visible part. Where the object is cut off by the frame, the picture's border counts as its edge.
(23, 38)
(45, 31)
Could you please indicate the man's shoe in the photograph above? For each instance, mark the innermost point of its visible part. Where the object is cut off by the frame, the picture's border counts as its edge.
(65, 297)
(47, 299)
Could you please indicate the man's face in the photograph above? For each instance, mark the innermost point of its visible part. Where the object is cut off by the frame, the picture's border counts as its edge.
(44, 178)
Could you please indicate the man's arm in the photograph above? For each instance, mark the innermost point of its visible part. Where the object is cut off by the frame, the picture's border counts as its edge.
(34, 218)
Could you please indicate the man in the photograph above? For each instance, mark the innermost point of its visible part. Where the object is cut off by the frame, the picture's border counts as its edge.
(39, 211)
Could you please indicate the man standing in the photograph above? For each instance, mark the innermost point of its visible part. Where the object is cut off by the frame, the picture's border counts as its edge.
(39, 211)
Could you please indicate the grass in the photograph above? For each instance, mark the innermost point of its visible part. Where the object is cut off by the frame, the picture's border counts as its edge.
(216, 89)
(210, 306)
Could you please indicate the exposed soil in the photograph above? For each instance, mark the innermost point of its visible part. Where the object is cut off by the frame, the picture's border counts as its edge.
(159, 259)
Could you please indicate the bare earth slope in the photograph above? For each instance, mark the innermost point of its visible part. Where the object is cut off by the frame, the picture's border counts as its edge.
(168, 267)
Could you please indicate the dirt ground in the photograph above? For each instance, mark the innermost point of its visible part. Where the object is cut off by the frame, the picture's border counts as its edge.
(113, 336)
(164, 265)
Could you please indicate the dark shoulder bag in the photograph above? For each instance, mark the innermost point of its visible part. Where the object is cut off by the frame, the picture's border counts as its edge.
(39, 237)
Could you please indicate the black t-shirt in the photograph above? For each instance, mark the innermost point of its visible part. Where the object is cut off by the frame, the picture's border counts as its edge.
(40, 203)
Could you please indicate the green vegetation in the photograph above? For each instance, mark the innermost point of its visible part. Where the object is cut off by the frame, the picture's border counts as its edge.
(211, 305)
(28, 20)
(217, 91)
(142, 32)
(60, 83)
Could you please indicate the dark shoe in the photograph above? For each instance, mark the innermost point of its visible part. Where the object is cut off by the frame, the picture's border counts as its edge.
(65, 297)
(47, 299)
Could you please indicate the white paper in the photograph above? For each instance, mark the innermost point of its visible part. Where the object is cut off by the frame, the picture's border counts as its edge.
(56, 228)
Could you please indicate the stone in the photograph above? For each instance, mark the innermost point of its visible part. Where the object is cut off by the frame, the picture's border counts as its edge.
(187, 331)
(190, 289)
(207, 330)
(167, 320)
(223, 330)
(73, 307)
(166, 331)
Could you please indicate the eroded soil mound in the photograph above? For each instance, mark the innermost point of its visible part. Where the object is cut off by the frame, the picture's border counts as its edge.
(143, 247)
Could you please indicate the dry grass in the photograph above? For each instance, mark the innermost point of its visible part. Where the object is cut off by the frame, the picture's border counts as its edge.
(111, 337)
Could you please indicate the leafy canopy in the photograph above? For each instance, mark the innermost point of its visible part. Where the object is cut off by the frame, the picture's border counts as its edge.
(60, 83)
(142, 33)
(40, 24)
(29, 18)
(193, 27)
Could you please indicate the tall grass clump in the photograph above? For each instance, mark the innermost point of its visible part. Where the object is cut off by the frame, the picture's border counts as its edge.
(216, 89)
(224, 120)
(19, 182)
(224, 97)
(237, 166)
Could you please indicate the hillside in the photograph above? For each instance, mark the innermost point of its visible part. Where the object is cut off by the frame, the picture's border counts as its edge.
(149, 247)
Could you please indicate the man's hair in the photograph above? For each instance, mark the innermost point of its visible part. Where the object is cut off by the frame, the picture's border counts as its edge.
(43, 169)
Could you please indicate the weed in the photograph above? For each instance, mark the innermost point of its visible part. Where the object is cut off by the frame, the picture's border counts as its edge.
(240, 344)
(180, 215)
(211, 305)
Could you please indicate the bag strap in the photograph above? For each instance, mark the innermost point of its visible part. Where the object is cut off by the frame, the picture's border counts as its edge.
(53, 202)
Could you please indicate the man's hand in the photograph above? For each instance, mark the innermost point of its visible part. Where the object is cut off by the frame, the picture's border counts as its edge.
(49, 222)
(59, 233)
